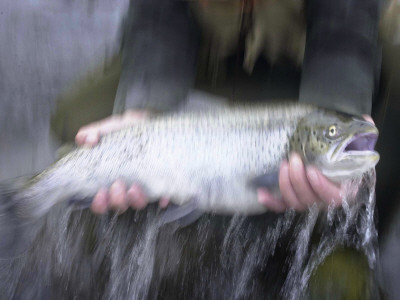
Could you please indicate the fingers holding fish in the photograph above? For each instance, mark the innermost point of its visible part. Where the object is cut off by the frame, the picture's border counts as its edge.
(117, 196)
(368, 118)
(99, 204)
(89, 135)
(285, 185)
(326, 190)
(274, 204)
(296, 191)
(163, 203)
(136, 197)
(301, 186)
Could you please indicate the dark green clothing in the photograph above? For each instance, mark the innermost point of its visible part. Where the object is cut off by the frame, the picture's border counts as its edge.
(340, 69)
(342, 58)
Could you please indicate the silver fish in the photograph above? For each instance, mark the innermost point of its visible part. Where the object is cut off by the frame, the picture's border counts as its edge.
(205, 161)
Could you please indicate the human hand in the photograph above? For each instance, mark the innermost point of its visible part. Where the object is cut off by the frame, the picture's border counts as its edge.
(118, 197)
(89, 135)
(301, 187)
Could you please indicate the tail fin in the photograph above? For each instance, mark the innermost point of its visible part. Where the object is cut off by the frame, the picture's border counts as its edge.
(17, 230)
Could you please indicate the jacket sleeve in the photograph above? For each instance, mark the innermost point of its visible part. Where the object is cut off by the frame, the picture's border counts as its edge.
(342, 58)
(159, 51)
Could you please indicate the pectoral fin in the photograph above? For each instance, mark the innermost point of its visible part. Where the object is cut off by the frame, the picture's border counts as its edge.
(184, 214)
(269, 181)
(80, 203)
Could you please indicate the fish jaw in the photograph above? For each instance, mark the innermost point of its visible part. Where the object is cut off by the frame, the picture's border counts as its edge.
(354, 155)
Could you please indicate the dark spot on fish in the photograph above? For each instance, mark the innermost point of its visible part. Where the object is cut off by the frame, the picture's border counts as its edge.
(322, 146)
(314, 133)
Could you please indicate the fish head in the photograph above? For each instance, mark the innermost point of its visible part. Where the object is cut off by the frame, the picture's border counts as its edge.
(340, 145)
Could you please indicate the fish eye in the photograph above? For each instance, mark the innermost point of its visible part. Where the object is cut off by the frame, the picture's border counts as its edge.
(332, 131)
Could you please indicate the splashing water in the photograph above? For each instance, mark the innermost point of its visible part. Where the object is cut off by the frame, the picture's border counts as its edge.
(352, 225)
(81, 256)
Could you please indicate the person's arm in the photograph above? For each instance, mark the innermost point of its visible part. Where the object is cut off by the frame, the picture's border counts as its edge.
(159, 54)
(342, 56)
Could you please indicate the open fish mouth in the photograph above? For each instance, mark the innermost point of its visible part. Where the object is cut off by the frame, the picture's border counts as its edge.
(360, 149)
(354, 156)
(362, 142)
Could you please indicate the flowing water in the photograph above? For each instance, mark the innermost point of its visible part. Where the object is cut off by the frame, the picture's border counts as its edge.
(81, 256)
(351, 226)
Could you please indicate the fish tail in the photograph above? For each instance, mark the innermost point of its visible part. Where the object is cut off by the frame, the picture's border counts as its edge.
(19, 224)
